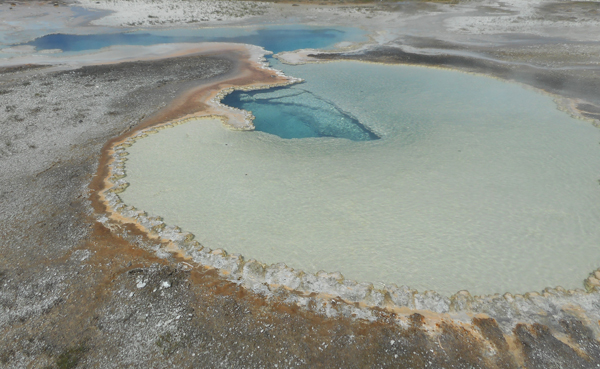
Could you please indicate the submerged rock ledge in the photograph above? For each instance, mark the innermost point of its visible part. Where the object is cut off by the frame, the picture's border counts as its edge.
(330, 293)
(575, 107)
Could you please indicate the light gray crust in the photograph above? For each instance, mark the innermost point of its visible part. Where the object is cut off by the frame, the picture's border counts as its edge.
(52, 128)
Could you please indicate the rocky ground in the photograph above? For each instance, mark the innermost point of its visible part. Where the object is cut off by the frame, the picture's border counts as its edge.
(75, 292)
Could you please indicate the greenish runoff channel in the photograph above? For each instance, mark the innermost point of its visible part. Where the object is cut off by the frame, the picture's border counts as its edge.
(474, 183)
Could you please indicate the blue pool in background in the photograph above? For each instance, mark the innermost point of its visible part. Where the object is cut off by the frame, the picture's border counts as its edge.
(290, 112)
(272, 38)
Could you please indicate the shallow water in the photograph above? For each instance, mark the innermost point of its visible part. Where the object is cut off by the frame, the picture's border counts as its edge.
(272, 38)
(475, 184)
(294, 112)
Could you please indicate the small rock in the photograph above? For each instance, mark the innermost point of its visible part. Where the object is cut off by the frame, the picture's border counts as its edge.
(165, 284)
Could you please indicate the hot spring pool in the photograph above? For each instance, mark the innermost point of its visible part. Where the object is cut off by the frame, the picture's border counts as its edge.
(275, 38)
(467, 182)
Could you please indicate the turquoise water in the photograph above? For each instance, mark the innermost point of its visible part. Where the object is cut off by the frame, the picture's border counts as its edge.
(272, 38)
(294, 112)
(474, 183)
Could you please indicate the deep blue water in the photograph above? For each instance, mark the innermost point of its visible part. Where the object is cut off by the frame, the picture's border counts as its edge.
(272, 38)
(293, 112)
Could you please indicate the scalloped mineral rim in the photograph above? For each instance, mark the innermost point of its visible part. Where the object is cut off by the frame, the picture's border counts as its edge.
(268, 279)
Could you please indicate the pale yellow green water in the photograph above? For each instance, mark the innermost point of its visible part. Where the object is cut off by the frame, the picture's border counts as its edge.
(475, 184)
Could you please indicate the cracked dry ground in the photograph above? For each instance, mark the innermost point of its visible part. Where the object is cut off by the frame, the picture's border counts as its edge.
(74, 293)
